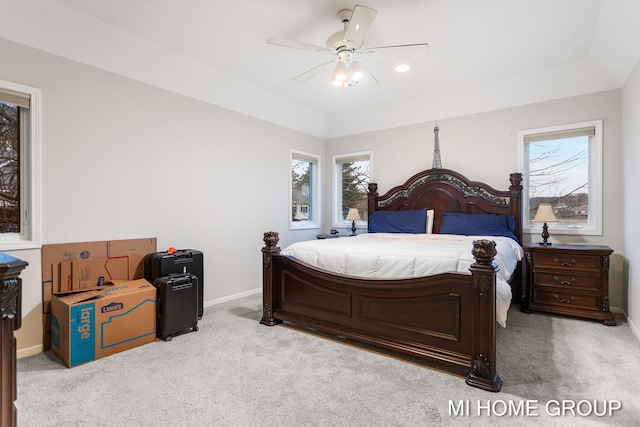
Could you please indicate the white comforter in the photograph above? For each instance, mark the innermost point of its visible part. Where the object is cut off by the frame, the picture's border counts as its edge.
(399, 256)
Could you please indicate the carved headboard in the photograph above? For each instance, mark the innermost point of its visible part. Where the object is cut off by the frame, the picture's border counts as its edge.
(445, 190)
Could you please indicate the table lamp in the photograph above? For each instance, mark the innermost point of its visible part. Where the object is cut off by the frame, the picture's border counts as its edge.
(545, 214)
(353, 216)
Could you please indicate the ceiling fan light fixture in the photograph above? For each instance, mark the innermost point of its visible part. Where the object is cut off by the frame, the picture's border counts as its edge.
(340, 72)
(355, 71)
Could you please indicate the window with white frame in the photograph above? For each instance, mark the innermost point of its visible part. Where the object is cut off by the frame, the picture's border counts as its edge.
(351, 177)
(562, 165)
(305, 190)
(19, 166)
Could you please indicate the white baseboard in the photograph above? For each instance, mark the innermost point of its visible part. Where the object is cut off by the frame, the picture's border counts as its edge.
(634, 329)
(217, 301)
(632, 325)
(29, 351)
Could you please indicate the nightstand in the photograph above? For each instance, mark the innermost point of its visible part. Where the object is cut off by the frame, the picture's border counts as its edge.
(568, 279)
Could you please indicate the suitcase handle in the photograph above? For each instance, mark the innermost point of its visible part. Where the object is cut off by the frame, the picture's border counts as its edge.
(183, 256)
(180, 281)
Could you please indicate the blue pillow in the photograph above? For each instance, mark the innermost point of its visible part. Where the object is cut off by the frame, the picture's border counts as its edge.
(478, 224)
(414, 221)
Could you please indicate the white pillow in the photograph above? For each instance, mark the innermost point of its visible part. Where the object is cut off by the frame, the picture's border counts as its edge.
(430, 213)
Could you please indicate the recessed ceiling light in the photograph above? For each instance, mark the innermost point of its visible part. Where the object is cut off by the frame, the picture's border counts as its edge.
(402, 68)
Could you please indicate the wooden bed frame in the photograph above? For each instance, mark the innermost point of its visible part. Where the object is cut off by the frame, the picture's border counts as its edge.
(448, 317)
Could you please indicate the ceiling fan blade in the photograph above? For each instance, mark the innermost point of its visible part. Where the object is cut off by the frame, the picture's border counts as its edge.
(368, 80)
(295, 45)
(405, 51)
(312, 72)
(359, 23)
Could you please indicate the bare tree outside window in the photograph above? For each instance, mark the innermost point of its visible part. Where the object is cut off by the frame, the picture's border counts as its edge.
(9, 169)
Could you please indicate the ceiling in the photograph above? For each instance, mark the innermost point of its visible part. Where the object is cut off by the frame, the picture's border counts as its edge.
(482, 54)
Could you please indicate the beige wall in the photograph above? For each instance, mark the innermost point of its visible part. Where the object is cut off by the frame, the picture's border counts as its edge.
(122, 159)
(631, 206)
(484, 147)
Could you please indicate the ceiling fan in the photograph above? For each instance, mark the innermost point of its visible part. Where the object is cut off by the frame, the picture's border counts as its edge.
(347, 45)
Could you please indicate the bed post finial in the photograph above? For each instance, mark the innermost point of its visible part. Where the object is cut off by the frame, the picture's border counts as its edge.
(371, 199)
(271, 239)
(516, 201)
(483, 365)
(516, 185)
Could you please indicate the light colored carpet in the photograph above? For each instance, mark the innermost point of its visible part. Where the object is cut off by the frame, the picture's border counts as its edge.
(236, 372)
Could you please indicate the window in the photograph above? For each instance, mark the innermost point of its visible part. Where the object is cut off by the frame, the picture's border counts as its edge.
(19, 166)
(351, 177)
(562, 165)
(305, 190)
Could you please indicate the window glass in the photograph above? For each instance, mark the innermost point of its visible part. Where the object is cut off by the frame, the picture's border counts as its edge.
(9, 168)
(19, 166)
(352, 174)
(305, 190)
(562, 166)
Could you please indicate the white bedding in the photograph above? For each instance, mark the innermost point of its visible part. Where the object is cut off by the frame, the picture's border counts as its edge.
(399, 256)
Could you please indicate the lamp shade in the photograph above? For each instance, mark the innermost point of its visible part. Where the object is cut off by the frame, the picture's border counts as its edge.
(353, 215)
(545, 213)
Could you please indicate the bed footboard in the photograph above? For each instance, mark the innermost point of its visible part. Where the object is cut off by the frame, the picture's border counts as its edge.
(445, 318)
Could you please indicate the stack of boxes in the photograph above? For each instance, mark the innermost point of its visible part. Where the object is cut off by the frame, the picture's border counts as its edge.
(96, 301)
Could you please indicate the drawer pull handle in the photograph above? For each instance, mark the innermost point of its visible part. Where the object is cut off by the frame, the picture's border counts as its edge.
(564, 264)
(566, 301)
(564, 282)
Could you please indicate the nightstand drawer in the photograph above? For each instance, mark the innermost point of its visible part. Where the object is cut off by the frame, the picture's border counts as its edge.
(567, 261)
(574, 300)
(567, 281)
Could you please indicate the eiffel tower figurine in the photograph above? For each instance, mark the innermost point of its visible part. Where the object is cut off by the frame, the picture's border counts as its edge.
(437, 163)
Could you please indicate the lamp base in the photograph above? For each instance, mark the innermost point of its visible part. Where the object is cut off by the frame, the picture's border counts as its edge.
(353, 228)
(545, 235)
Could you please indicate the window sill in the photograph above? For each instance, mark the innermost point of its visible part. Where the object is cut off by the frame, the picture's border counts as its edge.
(564, 232)
(310, 226)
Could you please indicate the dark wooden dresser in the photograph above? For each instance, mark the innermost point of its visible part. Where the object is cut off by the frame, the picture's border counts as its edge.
(10, 320)
(568, 279)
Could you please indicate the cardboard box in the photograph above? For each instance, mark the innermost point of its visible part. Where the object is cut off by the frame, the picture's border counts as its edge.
(132, 246)
(89, 325)
(53, 255)
(84, 275)
(136, 250)
(62, 278)
(94, 273)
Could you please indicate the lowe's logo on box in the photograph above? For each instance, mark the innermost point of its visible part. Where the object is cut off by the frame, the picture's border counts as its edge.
(114, 306)
(83, 337)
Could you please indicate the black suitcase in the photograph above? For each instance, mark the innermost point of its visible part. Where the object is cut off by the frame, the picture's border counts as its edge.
(177, 305)
(161, 264)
